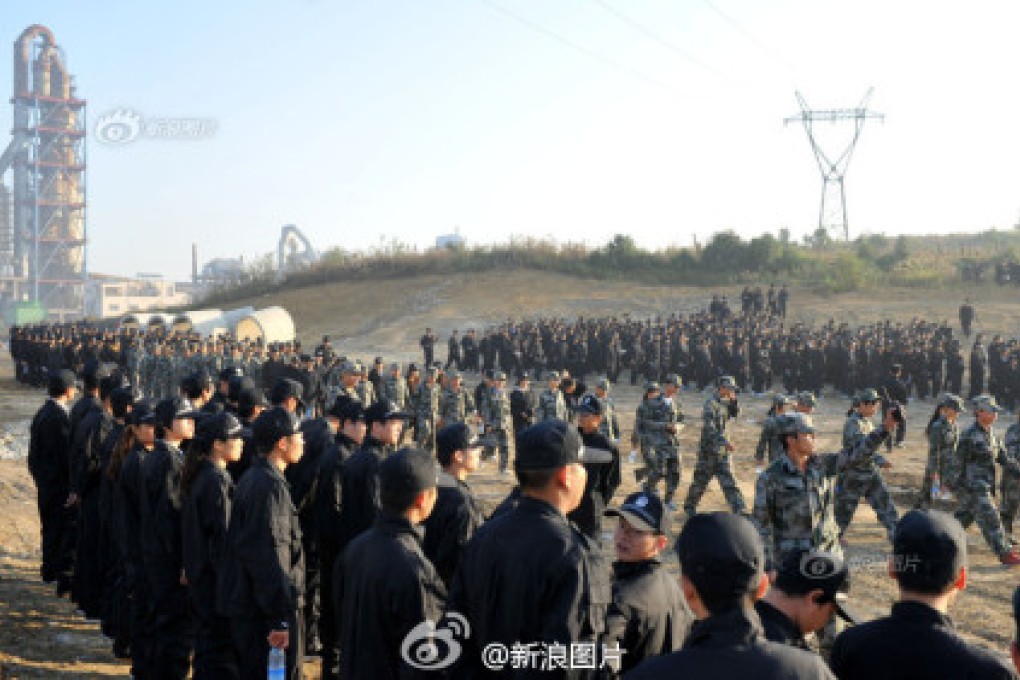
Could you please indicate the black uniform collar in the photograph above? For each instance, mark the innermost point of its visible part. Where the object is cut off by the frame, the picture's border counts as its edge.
(536, 506)
(739, 626)
(394, 525)
(623, 570)
(781, 620)
(270, 467)
(448, 480)
(921, 613)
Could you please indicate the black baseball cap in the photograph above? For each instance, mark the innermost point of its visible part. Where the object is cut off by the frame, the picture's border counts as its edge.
(552, 444)
(284, 388)
(143, 413)
(384, 410)
(803, 571)
(231, 371)
(174, 408)
(62, 380)
(250, 397)
(409, 470)
(929, 549)
(590, 404)
(121, 399)
(222, 426)
(722, 555)
(272, 425)
(643, 511)
(457, 437)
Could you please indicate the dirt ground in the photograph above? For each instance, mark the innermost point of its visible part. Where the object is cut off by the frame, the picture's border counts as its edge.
(42, 637)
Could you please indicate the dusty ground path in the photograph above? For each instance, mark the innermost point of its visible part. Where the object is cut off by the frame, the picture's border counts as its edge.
(43, 638)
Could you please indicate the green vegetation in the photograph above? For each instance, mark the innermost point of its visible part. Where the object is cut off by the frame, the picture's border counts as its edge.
(818, 263)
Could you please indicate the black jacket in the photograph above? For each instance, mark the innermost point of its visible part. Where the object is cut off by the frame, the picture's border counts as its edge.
(160, 513)
(360, 491)
(603, 480)
(778, 626)
(648, 615)
(383, 587)
(127, 505)
(48, 446)
(529, 576)
(204, 518)
(732, 645)
(329, 499)
(265, 574)
(915, 641)
(451, 525)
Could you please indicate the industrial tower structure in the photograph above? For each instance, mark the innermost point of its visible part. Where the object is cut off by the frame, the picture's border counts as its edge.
(832, 214)
(42, 215)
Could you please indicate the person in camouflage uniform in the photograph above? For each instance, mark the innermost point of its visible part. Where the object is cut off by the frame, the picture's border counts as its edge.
(972, 477)
(1010, 485)
(497, 419)
(806, 402)
(609, 426)
(863, 477)
(715, 447)
(662, 421)
(769, 442)
(794, 496)
(395, 387)
(427, 410)
(456, 405)
(551, 404)
(943, 437)
(365, 388)
(639, 438)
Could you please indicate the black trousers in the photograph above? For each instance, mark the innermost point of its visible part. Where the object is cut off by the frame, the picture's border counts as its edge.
(214, 646)
(142, 621)
(88, 573)
(327, 618)
(56, 521)
(173, 624)
(251, 644)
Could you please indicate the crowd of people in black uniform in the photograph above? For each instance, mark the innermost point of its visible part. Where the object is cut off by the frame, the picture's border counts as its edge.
(207, 527)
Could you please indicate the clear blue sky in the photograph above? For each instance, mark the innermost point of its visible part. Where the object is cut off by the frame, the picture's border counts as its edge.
(369, 121)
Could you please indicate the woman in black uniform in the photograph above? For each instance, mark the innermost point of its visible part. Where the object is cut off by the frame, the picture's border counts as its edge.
(206, 489)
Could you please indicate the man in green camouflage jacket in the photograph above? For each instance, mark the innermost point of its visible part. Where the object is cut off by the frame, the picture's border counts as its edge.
(715, 448)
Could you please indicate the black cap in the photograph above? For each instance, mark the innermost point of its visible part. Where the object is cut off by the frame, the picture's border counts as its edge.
(643, 511)
(237, 383)
(61, 381)
(590, 404)
(284, 388)
(457, 437)
(222, 426)
(929, 549)
(803, 571)
(231, 371)
(272, 425)
(384, 410)
(250, 397)
(143, 413)
(407, 471)
(174, 408)
(336, 409)
(552, 444)
(120, 399)
(722, 555)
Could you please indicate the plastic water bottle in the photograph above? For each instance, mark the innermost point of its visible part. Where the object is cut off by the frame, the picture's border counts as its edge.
(936, 486)
(277, 664)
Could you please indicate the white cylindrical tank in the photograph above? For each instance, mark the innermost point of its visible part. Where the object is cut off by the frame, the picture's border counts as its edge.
(188, 320)
(272, 324)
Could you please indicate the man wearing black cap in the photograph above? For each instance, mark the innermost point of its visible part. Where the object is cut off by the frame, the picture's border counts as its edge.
(918, 639)
(262, 589)
(529, 575)
(49, 442)
(160, 505)
(329, 500)
(288, 393)
(360, 492)
(522, 403)
(810, 588)
(648, 615)
(722, 566)
(384, 585)
(251, 402)
(603, 477)
(457, 515)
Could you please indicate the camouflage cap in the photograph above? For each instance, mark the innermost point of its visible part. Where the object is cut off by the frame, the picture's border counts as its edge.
(673, 379)
(953, 401)
(783, 400)
(796, 423)
(499, 375)
(348, 367)
(986, 402)
(432, 372)
(807, 398)
(727, 381)
(652, 386)
(552, 375)
(869, 394)
(395, 366)
(603, 384)
(453, 375)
